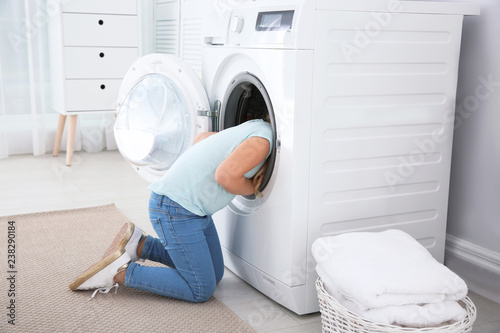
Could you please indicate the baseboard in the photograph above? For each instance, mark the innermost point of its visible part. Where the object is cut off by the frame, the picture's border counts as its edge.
(470, 252)
(478, 266)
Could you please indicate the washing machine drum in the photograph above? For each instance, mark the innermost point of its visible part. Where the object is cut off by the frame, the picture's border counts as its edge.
(158, 104)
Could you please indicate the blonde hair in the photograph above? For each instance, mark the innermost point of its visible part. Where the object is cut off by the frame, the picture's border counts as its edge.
(258, 178)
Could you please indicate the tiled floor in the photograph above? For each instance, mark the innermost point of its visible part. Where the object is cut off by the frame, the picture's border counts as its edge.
(30, 184)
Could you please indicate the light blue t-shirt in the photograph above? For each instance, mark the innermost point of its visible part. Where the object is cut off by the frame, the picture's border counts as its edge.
(191, 180)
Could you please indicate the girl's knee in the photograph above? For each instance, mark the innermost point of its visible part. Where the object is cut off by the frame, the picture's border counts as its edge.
(202, 299)
(205, 293)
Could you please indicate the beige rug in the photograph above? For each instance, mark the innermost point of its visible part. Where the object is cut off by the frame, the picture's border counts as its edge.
(53, 248)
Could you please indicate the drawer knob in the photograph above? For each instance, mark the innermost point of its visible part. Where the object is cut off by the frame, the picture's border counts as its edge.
(101, 22)
(103, 86)
(101, 54)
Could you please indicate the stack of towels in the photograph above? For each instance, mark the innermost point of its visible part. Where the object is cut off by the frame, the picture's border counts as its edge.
(389, 278)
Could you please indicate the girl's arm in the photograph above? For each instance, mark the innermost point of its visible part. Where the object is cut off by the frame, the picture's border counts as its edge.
(230, 173)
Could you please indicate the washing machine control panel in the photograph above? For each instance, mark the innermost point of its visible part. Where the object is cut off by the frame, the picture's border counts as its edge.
(274, 21)
(258, 27)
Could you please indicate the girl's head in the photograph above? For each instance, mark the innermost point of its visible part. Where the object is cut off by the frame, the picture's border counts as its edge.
(255, 107)
(259, 176)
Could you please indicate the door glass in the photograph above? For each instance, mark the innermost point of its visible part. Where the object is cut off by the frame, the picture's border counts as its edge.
(153, 126)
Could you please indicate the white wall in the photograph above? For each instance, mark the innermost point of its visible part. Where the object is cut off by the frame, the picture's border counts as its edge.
(146, 10)
(474, 213)
(473, 250)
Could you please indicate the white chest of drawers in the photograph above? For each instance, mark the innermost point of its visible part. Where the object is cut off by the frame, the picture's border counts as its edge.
(92, 43)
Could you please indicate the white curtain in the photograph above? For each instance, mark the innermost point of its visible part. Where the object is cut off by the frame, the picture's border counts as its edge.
(27, 120)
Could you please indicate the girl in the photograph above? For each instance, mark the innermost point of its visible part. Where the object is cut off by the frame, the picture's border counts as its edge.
(205, 178)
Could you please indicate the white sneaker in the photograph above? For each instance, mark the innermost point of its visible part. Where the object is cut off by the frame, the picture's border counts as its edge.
(128, 239)
(101, 275)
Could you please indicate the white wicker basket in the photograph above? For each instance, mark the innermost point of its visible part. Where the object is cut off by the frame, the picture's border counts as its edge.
(336, 318)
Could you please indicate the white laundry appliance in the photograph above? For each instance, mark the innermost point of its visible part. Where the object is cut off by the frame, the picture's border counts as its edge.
(361, 97)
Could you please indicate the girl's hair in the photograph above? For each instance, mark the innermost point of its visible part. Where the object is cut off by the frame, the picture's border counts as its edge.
(255, 108)
(259, 176)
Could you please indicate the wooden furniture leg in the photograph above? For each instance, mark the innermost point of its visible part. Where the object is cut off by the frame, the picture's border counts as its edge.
(59, 134)
(71, 138)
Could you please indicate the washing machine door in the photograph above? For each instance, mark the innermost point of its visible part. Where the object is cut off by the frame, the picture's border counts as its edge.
(162, 106)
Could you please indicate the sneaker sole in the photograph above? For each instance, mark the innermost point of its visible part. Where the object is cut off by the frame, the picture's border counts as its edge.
(96, 268)
(121, 239)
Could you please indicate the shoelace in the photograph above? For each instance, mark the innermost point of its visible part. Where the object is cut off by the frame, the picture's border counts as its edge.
(104, 290)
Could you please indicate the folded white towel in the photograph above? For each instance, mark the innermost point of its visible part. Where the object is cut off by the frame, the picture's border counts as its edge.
(412, 315)
(378, 269)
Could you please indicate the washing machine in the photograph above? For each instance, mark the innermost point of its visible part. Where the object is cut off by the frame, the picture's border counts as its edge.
(361, 98)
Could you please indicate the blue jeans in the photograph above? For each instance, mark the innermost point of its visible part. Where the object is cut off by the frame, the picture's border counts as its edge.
(188, 244)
